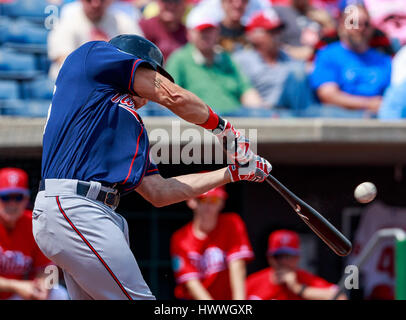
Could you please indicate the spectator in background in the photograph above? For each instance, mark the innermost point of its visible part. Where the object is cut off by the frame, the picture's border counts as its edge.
(304, 26)
(280, 80)
(83, 21)
(232, 32)
(379, 40)
(394, 101)
(348, 73)
(232, 15)
(128, 7)
(167, 30)
(202, 68)
(22, 264)
(283, 280)
(209, 254)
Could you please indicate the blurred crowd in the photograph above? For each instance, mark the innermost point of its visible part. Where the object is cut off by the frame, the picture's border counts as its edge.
(266, 58)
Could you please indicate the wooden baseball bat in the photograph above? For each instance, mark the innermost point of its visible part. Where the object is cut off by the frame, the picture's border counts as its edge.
(320, 225)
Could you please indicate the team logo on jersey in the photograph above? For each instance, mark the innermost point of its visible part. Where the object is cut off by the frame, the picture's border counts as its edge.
(211, 261)
(123, 100)
(126, 102)
(14, 262)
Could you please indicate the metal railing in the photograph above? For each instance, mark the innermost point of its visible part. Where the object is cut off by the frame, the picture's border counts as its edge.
(400, 236)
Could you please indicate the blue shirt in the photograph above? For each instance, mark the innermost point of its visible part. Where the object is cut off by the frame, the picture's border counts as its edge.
(93, 132)
(394, 103)
(365, 74)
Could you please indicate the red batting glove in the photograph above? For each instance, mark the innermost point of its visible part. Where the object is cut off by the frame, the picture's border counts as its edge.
(257, 170)
(236, 145)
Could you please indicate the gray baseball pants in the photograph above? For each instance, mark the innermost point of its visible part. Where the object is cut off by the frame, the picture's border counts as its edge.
(89, 241)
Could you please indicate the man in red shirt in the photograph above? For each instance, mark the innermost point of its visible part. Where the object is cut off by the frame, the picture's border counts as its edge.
(283, 280)
(21, 261)
(166, 29)
(209, 254)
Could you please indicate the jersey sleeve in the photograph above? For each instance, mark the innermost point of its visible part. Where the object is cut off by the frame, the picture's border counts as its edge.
(182, 266)
(107, 65)
(152, 168)
(239, 246)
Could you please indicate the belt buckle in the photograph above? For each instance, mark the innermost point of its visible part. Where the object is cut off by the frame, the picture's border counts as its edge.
(112, 198)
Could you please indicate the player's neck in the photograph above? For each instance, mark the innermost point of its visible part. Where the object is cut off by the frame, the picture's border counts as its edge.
(201, 229)
(198, 233)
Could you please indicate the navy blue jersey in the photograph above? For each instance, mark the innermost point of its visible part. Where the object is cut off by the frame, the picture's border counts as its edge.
(93, 132)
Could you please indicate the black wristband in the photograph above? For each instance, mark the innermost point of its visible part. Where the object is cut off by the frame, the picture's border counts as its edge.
(220, 127)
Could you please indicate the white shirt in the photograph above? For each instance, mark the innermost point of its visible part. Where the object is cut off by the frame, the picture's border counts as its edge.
(74, 29)
(399, 67)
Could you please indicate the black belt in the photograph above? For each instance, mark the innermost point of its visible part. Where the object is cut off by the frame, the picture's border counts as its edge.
(109, 198)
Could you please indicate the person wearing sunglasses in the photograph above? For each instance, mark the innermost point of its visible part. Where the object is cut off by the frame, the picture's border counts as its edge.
(22, 263)
(209, 254)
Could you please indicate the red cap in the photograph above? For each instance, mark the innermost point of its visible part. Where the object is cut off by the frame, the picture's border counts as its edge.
(283, 242)
(218, 192)
(267, 20)
(13, 180)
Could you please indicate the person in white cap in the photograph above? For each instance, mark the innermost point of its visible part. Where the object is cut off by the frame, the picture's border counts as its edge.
(204, 69)
(280, 80)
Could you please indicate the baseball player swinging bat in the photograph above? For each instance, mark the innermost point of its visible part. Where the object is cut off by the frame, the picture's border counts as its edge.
(320, 226)
(324, 229)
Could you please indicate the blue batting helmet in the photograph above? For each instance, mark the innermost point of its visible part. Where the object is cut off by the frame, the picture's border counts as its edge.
(141, 48)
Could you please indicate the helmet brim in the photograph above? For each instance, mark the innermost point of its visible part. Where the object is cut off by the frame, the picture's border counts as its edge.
(164, 73)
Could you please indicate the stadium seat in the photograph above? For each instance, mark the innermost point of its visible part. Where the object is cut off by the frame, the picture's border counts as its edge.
(23, 32)
(33, 9)
(25, 108)
(41, 88)
(9, 89)
(13, 61)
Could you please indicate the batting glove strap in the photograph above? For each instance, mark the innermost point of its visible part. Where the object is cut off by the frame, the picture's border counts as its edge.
(236, 144)
(256, 171)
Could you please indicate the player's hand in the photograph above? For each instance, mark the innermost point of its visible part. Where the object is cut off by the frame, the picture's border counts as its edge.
(286, 276)
(25, 289)
(257, 170)
(41, 291)
(236, 144)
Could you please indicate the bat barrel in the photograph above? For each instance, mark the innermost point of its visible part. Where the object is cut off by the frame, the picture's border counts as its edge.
(316, 222)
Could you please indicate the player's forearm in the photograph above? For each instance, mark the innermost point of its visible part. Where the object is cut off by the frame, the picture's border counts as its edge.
(162, 192)
(197, 291)
(7, 285)
(314, 293)
(155, 87)
(188, 107)
(237, 279)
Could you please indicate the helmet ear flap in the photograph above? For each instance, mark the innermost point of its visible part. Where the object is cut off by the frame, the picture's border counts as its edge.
(142, 48)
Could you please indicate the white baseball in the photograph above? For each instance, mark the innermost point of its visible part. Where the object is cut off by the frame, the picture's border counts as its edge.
(365, 192)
